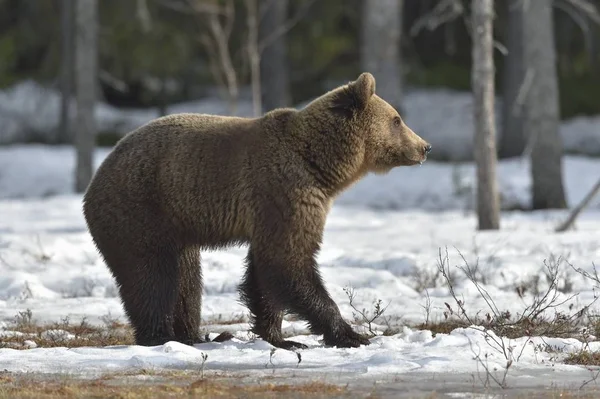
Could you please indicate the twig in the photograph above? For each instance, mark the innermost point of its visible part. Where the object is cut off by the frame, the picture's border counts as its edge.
(580, 207)
(204, 357)
(427, 307)
(471, 275)
(593, 379)
(595, 277)
(584, 6)
(188, 6)
(378, 311)
(502, 384)
(445, 11)
(143, 15)
(522, 93)
(531, 315)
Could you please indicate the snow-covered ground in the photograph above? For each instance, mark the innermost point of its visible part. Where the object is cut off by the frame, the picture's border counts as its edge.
(415, 352)
(443, 117)
(382, 238)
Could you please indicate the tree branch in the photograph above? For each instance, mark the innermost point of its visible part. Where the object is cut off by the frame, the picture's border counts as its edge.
(187, 6)
(143, 15)
(444, 11)
(577, 210)
(583, 6)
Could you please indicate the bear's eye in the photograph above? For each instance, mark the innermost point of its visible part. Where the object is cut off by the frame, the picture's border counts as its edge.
(397, 122)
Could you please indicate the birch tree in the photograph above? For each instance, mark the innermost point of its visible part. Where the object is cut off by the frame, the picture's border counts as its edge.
(488, 203)
(86, 48)
(380, 46)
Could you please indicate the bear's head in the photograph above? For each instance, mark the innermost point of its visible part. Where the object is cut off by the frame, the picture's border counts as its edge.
(387, 141)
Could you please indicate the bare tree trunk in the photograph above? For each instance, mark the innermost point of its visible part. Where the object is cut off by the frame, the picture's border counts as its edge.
(488, 203)
(254, 55)
(380, 47)
(86, 45)
(514, 84)
(541, 110)
(66, 72)
(274, 69)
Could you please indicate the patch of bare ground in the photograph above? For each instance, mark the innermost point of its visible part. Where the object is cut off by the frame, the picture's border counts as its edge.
(584, 358)
(24, 333)
(160, 385)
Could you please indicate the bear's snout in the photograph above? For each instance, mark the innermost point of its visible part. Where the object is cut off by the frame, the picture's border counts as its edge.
(426, 149)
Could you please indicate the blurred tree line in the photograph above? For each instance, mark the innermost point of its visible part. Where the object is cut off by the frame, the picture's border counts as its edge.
(155, 52)
(543, 55)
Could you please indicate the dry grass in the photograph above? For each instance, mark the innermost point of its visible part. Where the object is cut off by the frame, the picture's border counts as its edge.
(183, 384)
(560, 326)
(24, 328)
(22, 388)
(584, 358)
(442, 327)
(64, 333)
(557, 393)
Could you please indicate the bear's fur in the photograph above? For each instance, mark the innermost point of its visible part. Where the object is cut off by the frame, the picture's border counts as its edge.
(188, 182)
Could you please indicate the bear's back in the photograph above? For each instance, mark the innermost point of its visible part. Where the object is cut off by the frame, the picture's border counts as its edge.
(191, 169)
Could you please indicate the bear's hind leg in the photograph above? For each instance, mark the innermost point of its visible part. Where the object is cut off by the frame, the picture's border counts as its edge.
(148, 288)
(186, 318)
(266, 315)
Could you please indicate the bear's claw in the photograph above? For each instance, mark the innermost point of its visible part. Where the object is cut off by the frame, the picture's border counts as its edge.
(289, 345)
(350, 339)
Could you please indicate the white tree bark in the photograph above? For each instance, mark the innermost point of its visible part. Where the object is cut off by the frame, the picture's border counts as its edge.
(380, 47)
(86, 50)
(541, 116)
(488, 202)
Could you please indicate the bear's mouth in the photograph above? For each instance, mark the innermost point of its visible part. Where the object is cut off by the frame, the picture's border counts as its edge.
(410, 161)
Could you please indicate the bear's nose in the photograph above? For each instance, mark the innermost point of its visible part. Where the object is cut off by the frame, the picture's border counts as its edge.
(427, 148)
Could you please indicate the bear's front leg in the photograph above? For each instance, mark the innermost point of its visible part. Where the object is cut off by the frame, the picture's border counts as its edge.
(286, 274)
(266, 314)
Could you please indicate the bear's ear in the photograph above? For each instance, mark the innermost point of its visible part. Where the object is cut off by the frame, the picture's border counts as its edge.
(355, 95)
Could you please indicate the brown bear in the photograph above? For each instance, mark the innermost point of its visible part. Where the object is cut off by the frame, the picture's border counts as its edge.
(189, 182)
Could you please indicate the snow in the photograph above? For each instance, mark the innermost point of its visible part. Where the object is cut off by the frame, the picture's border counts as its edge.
(441, 116)
(382, 238)
(408, 351)
(373, 243)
